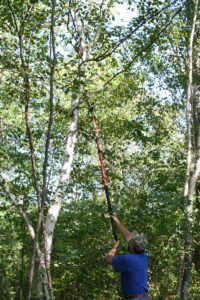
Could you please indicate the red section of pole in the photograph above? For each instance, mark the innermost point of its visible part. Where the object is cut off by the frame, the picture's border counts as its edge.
(104, 179)
(95, 132)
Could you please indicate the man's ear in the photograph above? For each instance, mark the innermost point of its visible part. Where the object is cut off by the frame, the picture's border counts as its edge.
(131, 246)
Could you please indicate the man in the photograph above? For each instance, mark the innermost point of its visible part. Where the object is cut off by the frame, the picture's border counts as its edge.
(133, 265)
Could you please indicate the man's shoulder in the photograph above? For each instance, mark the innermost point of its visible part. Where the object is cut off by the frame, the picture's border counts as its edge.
(134, 256)
(129, 256)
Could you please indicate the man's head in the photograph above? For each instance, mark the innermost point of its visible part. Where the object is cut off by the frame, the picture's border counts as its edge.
(137, 243)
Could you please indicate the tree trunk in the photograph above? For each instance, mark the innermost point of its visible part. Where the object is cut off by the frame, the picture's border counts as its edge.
(43, 277)
(192, 174)
(54, 210)
(84, 50)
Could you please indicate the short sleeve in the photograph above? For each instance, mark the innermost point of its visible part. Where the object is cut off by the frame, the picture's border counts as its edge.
(119, 263)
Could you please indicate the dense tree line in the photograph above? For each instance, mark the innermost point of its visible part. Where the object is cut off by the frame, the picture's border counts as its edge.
(57, 59)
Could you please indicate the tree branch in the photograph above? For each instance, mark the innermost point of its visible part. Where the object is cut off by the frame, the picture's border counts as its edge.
(140, 53)
(13, 16)
(45, 164)
(19, 208)
(51, 99)
(109, 52)
(34, 251)
(103, 7)
(26, 98)
(84, 51)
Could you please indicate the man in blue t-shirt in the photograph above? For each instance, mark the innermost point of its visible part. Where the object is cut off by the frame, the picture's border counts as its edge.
(133, 265)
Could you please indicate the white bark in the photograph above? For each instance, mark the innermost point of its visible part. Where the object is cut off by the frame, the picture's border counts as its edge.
(103, 10)
(70, 141)
(69, 146)
(189, 102)
(43, 276)
(191, 180)
(64, 178)
(194, 180)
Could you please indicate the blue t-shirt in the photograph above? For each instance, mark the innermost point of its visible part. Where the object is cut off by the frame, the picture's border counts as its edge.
(133, 268)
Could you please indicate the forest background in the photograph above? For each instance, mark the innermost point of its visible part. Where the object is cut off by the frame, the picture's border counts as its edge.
(57, 58)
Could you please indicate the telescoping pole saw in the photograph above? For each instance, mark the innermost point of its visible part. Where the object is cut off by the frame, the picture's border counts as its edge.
(104, 179)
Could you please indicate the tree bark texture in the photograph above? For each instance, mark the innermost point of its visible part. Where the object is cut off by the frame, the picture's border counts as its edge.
(49, 223)
(84, 50)
(192, 171)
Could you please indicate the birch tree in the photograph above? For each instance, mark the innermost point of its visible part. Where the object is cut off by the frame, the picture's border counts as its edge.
(19, 19)
(193, 163)
(58, 58)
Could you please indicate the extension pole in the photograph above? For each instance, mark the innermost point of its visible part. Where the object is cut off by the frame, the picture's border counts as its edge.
(104, 179)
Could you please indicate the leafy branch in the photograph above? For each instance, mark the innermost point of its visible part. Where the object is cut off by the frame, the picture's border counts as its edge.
(109, 52)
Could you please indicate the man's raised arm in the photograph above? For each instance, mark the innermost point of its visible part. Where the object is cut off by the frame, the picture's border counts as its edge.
(122, 229)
